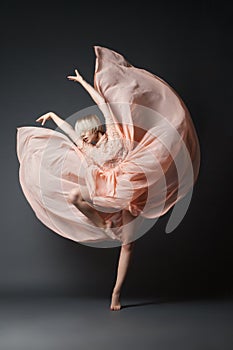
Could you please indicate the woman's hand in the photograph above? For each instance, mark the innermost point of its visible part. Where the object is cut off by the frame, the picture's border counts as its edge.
(77, 78)
(45, 117)
(62, 124)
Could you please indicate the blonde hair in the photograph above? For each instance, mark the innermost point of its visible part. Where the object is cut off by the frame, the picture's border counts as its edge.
(89, 122)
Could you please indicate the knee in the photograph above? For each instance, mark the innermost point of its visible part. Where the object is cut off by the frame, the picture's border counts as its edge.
(128, 247)
(74, 196)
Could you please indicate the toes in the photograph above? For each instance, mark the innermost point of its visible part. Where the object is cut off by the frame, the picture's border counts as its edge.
(108, 223)
(115, 307)
(74, 195)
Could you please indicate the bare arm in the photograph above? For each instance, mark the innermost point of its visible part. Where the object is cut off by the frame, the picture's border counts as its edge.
(90, 89)
(99, 100)
(63, 125)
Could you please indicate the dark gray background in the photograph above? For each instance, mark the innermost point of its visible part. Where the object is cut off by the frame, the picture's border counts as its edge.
(189, 46)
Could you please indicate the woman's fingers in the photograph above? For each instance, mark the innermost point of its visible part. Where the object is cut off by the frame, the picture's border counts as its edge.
(45, 117)
(41, 120)
(76, 78)
(71, 78)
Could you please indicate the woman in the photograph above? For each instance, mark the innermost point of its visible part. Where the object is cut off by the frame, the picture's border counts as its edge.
(89, 133)
(113, 179)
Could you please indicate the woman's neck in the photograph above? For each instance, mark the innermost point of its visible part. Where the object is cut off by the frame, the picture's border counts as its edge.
(100, 134)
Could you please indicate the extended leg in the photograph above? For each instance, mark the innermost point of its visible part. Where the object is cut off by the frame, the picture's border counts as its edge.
(76, 198)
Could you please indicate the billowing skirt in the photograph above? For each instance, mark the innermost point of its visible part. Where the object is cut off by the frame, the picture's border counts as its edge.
(160, 169)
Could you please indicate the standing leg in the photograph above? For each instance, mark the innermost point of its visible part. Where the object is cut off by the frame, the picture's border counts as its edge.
(123, 264)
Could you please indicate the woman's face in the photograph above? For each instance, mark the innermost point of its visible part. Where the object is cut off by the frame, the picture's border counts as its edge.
(89, 136)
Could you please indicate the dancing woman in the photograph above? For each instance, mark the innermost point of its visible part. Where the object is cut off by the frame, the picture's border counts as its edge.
(130, 168)
(89, 133)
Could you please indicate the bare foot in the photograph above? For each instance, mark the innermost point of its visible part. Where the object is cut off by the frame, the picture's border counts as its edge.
(108, 224)
(115, 303)
(108, 229)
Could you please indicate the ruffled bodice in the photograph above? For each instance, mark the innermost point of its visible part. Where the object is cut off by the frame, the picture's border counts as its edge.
(108, 152)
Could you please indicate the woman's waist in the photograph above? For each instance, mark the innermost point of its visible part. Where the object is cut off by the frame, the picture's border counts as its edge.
(111, 163)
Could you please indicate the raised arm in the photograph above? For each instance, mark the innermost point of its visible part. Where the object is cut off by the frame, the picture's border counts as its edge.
(63, 125)
(100, 101)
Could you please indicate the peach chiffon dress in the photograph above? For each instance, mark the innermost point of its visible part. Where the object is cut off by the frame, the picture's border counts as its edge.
(141, 164)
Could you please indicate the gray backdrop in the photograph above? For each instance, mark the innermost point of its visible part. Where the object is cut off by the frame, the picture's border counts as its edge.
(186, 45)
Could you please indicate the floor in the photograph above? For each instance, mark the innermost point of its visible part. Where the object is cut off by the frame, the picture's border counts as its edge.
(59, 323)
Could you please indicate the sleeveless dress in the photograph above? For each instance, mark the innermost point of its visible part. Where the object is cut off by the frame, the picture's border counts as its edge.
(146, 162)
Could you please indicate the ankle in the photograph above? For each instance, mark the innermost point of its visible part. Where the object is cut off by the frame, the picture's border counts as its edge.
(115, 291)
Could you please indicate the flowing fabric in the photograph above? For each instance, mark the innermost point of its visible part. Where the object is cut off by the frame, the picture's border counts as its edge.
(146, 170)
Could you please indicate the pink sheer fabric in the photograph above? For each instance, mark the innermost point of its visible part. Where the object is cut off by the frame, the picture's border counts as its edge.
(134, 165)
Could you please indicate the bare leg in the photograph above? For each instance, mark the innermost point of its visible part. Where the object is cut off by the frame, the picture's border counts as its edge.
(76, 198)
(123, 264)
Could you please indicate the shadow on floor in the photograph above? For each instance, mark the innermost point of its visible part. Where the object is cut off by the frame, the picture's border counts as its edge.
(167, 300)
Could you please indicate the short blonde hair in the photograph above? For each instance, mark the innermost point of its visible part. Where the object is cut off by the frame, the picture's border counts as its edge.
(88, 123)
